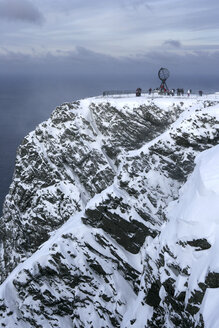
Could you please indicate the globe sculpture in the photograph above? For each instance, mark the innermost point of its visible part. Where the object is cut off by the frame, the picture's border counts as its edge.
(163, 75)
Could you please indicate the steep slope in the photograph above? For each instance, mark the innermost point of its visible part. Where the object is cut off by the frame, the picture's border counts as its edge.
(181, 279)
(108, 169)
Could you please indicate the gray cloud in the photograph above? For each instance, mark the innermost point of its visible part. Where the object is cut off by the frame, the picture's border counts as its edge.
(22, 10)
(173, 43)
(137, 4)
(116, 27)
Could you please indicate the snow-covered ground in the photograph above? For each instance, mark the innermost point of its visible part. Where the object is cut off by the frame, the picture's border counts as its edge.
(194, 216)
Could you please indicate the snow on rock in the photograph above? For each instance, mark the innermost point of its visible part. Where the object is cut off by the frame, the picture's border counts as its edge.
(79, 278)
(182, 263)
(66, 161)
(100, 222)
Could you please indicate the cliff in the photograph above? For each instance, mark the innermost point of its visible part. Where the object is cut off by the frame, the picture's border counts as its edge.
(106, 219)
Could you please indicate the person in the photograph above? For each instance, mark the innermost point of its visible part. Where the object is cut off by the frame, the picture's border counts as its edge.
(149, 91)
(188, 92)
(200, 93)
(138, 92)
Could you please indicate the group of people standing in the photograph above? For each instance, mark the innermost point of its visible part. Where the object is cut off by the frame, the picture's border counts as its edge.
(178, 91)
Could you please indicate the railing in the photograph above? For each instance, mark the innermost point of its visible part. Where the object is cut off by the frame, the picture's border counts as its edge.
(155, 93)
(119, 92)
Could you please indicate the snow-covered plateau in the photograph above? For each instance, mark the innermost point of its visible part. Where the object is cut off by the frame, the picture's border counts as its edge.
(112, 217)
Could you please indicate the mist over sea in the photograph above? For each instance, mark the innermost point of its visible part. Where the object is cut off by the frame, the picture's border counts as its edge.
(26, 101)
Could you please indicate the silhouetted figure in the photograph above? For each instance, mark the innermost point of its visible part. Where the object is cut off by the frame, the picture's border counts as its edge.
(180, 92)
(149, 91)
(138, 92)
(200, 93)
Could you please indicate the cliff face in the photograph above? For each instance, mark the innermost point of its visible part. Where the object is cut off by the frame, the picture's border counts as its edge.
(83, 226)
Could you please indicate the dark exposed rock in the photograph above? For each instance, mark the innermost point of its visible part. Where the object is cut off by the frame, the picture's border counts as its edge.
(130, 235)
(199, 244)
(212, 280)
(145, 123)
(153, 298)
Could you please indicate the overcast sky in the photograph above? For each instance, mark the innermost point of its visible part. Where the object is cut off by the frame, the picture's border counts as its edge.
(110, 37)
